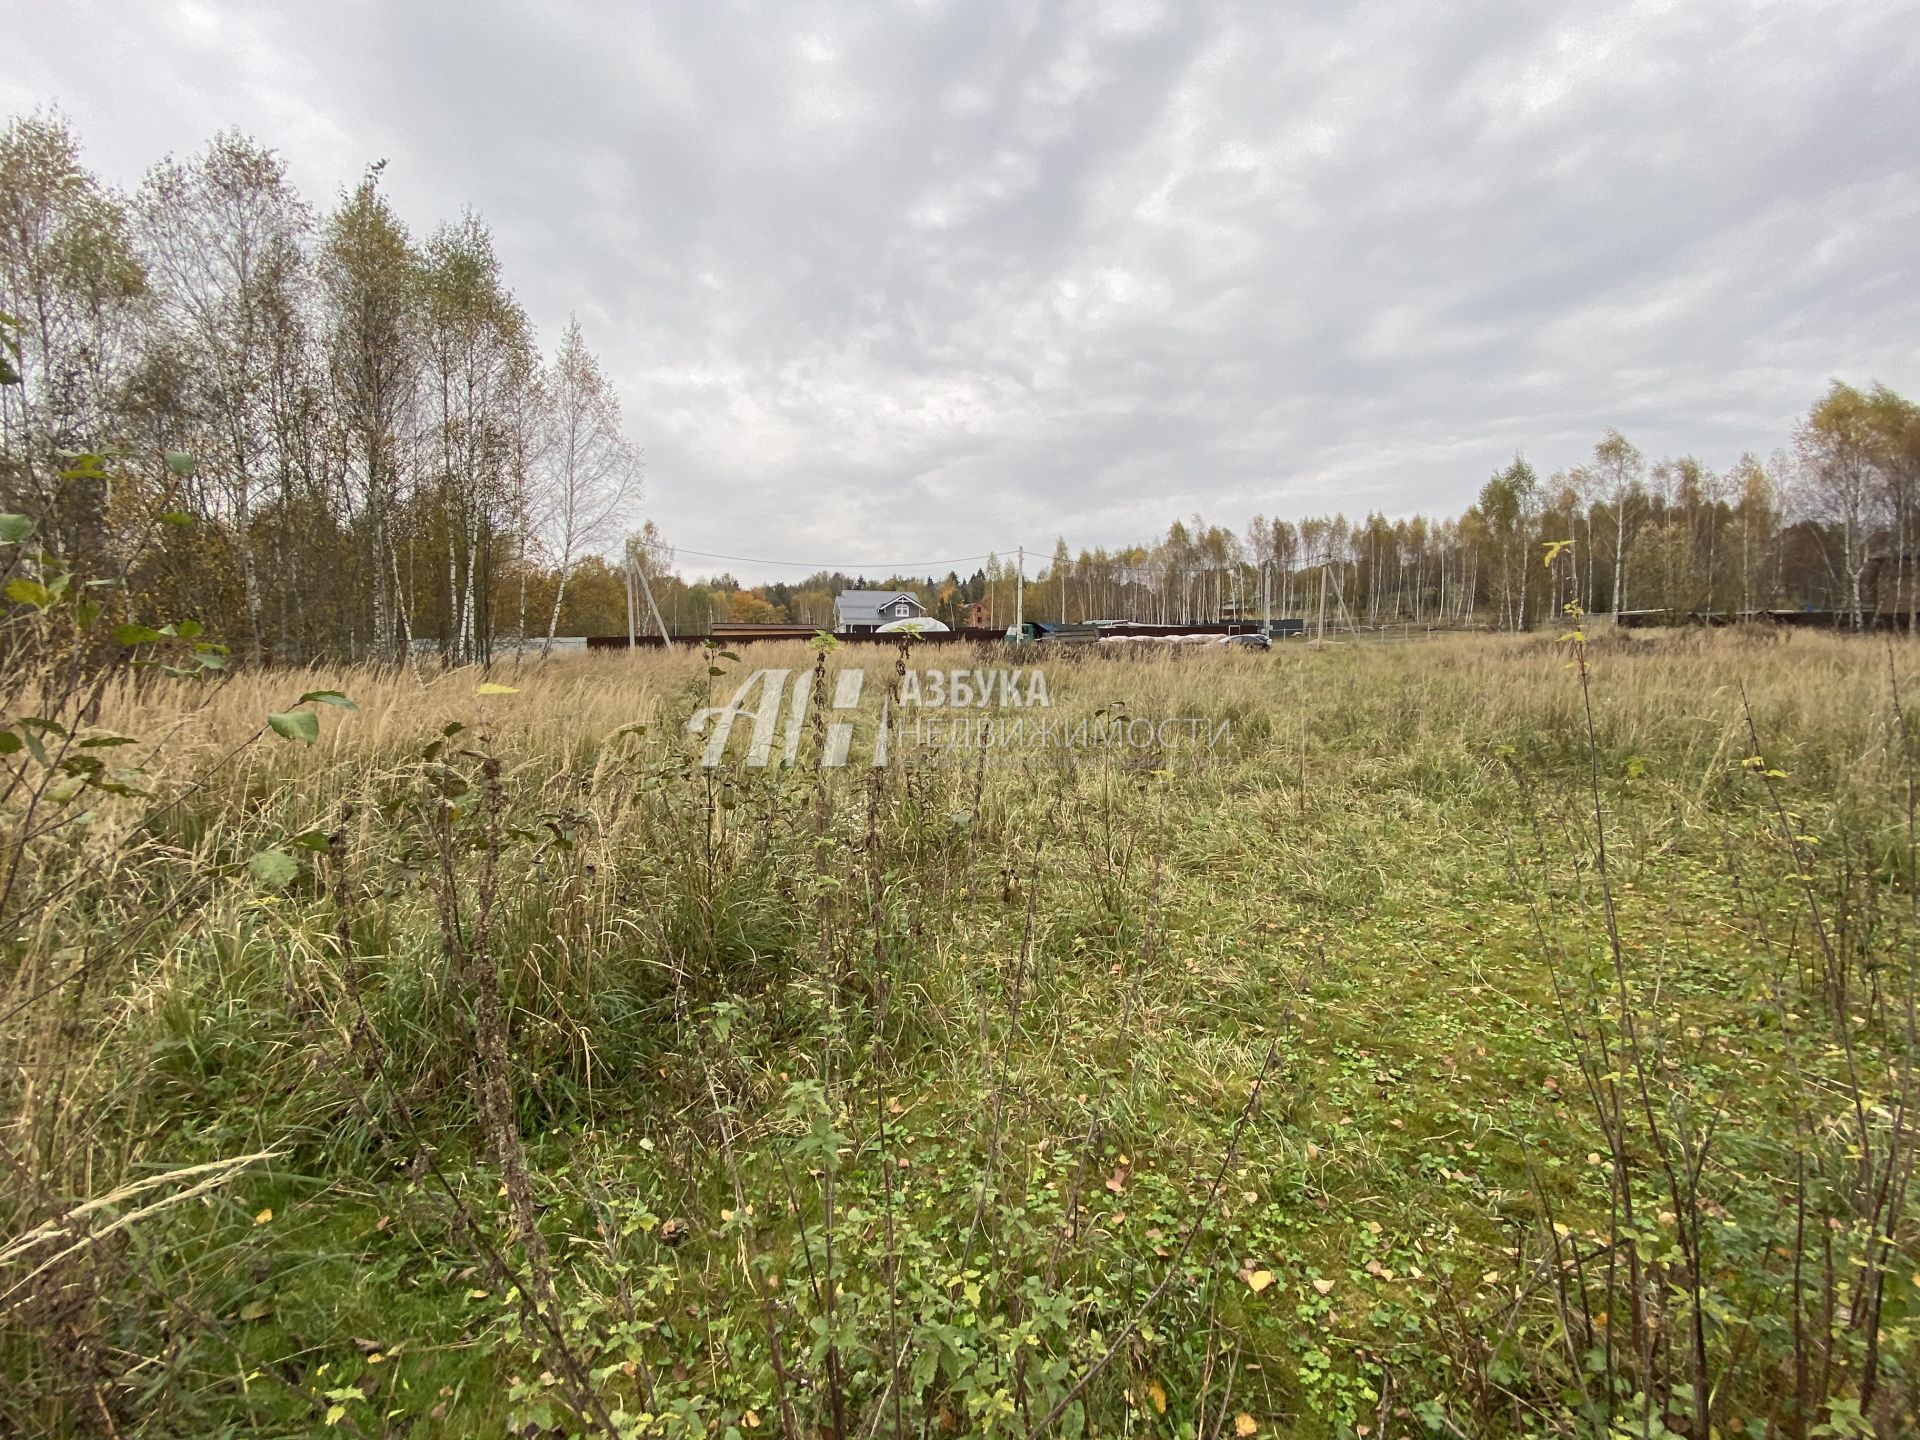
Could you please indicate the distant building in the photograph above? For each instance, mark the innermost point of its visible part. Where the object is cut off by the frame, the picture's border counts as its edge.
(860, 612)
(974, 617)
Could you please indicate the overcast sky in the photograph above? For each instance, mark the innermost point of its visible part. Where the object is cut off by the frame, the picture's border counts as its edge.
(911, 282)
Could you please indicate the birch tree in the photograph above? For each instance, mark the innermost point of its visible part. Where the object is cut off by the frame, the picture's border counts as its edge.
(1756, 507)
(1895, 423)
(1508, 503)
(369, 272)
(73, 285)
(479, 363)
(1839, 449)
(1618, 470)
(222, 235)
(592, 472)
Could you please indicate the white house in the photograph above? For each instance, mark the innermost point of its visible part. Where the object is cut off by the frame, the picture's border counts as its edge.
(861, 612)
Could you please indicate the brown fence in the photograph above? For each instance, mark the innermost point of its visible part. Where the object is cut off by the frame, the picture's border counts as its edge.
(728, 636)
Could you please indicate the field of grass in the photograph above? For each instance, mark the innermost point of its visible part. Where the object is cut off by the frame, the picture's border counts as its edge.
(1443, 1057)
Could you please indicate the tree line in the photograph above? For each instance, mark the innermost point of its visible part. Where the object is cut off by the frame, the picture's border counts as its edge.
(325, 437)
(1828, 524)
(318, 433)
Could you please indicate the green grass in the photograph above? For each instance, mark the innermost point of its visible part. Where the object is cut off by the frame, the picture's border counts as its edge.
(1378, 888)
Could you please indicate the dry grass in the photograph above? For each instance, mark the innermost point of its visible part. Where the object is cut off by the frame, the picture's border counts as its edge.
(1652, 688)
(789, 980)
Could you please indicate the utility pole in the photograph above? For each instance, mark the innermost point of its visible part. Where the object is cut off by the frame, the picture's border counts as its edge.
(1020, 597)
(628, 577)
(635, 569)
(1340, 598)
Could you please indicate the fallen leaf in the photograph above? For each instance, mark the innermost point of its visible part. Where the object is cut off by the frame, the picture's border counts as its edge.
(1157, 1393)
(264, 1216)
(1325, 1287)
(1245, 1425)
(1257, 1280)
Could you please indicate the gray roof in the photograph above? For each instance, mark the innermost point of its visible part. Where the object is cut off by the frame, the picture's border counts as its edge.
(863, 607)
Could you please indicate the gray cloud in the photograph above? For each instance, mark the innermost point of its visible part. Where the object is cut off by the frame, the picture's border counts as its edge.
(926, 279)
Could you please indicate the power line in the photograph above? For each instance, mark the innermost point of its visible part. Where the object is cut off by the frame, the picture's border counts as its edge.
(896, 567)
